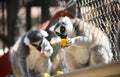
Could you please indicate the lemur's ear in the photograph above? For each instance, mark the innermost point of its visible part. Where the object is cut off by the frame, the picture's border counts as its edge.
(44, 33)
(52, 28)
(75, 20)
(26, 40)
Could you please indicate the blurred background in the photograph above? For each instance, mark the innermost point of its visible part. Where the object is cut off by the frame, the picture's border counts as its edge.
(19, 16)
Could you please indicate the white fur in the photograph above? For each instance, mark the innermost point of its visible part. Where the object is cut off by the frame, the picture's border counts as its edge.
(26, 40)
(35, 56)
(52, 28)
(79, 51)
(81, 40)
(46, 47)
(39, 62)
(68, 25)
(16, 45)
(55, 40)
(44, 33)
(100, 37)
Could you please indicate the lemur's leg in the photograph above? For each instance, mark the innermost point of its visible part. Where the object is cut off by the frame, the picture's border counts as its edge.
(99, 54)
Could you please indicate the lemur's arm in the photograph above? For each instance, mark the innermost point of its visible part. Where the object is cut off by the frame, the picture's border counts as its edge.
(24, 68)
(81, 40)
(55, 41)
(46, 46)
(22, 54)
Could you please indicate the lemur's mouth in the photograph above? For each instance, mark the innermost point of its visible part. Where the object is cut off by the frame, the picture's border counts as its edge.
(38, 47)
(41, 52)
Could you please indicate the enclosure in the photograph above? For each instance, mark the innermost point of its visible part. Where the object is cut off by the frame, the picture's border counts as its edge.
(19, 16)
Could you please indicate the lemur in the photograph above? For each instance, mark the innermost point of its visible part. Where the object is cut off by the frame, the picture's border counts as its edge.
(87, 44)
(30, 56)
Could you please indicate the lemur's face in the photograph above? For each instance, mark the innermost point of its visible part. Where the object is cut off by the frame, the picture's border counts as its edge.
(60, 28)
(35, 40)
(64, 25)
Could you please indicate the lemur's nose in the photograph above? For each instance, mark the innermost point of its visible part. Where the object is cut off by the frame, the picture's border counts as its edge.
(39, 48)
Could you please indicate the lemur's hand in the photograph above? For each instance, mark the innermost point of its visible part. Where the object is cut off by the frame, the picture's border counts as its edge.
(71, 41)
(47, 48)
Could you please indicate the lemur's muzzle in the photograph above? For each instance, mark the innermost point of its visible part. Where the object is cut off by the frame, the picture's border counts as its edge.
(38, 47)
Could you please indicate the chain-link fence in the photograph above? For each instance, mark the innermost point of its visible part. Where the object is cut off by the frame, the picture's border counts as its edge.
(105, 14)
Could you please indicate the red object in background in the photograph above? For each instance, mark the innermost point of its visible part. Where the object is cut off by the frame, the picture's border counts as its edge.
(5, 65)
(44, 25)
(61, 13)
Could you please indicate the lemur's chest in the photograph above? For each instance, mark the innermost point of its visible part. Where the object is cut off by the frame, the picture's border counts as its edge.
(34, 58)
(79, 53)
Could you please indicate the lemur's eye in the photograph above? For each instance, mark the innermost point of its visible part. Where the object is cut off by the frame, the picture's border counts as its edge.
(62, 29)
(38, 47)
(37, 44)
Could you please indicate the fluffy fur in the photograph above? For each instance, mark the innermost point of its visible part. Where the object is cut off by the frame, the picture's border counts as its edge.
(28, 60)
(88, 45)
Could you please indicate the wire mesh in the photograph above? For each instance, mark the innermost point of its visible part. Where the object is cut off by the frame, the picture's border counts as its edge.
(105, 14)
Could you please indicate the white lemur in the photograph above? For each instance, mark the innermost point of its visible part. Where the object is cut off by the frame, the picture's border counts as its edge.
(87, 44)
(30, 56)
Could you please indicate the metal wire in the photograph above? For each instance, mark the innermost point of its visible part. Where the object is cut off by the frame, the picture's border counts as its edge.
(103, 14)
